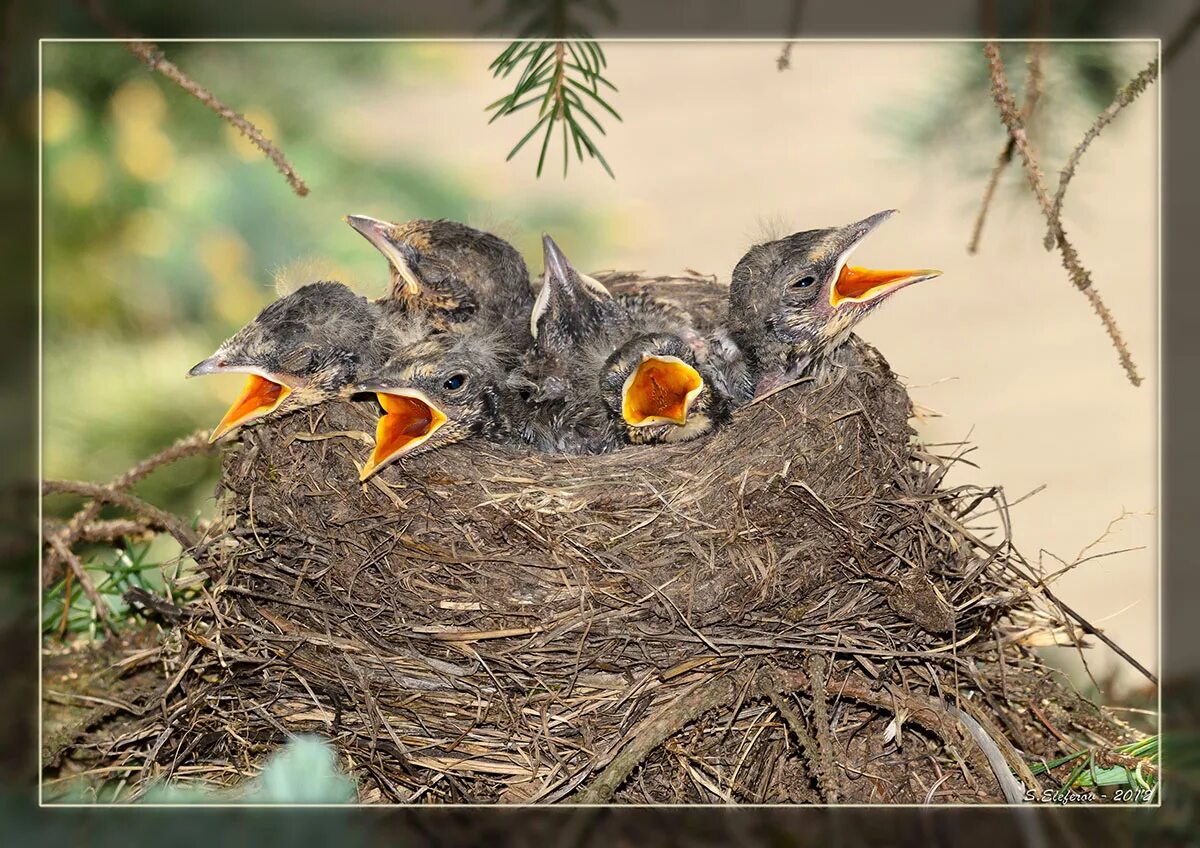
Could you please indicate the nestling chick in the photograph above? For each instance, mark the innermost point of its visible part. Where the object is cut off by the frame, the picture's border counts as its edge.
(455, 271)
(656, 386)
(437, 392)
(302, 349)
(794, 301)
(605, 371)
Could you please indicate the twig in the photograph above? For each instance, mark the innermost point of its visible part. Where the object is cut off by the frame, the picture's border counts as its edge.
(1079, 275)
(1182, 36)
(1128, 93)
(793, 28)
(154, 59)
(85, 582)
(1033, 92)
(667, 721)
(83, 525)
(106, 494)
(822, 723)
(775, 691)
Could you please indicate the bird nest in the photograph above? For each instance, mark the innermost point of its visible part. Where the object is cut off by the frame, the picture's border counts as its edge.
(793, 610)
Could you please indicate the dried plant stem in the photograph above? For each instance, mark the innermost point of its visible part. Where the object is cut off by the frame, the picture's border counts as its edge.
(85, 583)
(793, 28)
(1128, 93)
(154, 59)
(662, 726)
(1033, 92)
(83, 524)
(107, 494)
(1079, 275)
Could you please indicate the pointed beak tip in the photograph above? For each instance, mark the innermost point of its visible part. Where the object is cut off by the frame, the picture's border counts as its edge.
(201, 369)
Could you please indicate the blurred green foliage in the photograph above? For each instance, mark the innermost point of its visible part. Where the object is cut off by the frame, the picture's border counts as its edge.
(304, 770)
(162, 226)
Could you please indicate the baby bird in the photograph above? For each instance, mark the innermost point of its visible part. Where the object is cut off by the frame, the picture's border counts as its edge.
(306, 348)
(656, 386)
(605, 371)
(794, 301)
(438, 391)
(457, 272)
(299, 351)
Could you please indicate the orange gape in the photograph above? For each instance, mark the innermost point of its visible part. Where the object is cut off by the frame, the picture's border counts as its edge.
(259, 396)
(661, 389)
(860, 284)
(406, 422)
(405, 419)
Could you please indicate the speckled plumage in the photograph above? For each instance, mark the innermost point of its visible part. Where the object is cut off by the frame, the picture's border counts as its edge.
(782, 323)
(459, 370)
(560, 399)
(455, 272)
(317, 336)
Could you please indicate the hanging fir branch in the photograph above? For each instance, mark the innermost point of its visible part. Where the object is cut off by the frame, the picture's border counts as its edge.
(565, 80)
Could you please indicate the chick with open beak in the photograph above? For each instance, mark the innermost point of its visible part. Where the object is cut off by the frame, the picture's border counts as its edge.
(605, 371)
(794, 301)
(437, 392)
(456, 272)
(656, 387)
(301, 350)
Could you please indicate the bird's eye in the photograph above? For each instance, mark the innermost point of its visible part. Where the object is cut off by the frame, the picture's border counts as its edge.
(803, 282)
(456, 382)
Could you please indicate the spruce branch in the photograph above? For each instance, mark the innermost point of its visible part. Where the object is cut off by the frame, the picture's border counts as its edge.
(564, 79)
(1078, 274)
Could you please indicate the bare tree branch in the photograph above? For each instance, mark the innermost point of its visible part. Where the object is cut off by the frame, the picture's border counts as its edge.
(156, 516)
(1128, 93)
(1033, 92)
(793, 28)
(154, 59)
(1079, 275)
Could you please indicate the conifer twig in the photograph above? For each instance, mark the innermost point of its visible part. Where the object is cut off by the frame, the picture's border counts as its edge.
(1033, 92)
(793, 28)
(154, 59)
(1080, 277)
(1127, 94)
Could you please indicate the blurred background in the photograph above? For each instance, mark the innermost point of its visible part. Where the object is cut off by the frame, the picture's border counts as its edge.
(164, 231)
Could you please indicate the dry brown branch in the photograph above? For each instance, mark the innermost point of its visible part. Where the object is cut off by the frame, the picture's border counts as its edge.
(655, 731)
(83, 525)
(1080, 277)
(793, 29)
(154, 59)
(1182, 36)
(106, 494)
(1127, 94)
(1033, 92)
(85, 583)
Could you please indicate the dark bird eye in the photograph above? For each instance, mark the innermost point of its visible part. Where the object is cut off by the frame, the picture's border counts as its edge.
(804, 282)
(456, 382)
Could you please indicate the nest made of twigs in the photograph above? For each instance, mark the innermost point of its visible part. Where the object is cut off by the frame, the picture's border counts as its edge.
(790, 610)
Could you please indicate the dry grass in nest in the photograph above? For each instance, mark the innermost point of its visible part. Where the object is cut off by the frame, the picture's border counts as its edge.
(791, 610)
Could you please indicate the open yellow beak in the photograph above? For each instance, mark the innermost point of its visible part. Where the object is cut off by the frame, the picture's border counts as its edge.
(409, 419)
(858, 285)
(660, 391)
(258, 397)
